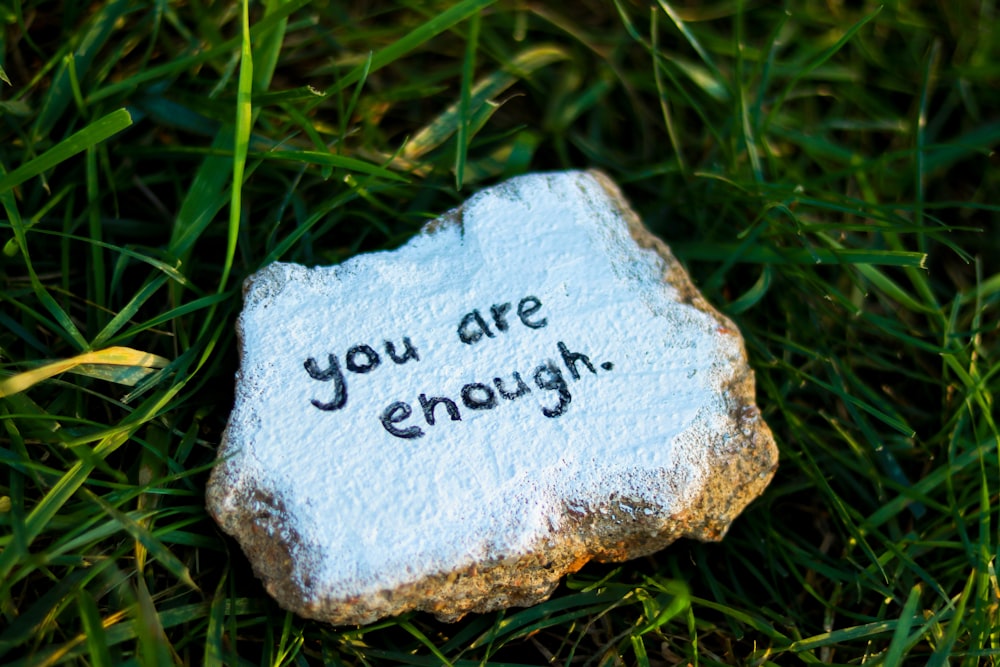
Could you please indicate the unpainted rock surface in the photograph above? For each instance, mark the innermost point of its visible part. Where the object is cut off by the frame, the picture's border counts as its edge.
(530, 383)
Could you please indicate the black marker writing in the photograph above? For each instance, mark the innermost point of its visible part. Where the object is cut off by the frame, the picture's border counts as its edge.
(360, 359)
(547, 377)
(473, 326)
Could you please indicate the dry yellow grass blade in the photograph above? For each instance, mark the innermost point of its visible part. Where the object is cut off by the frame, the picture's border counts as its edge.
(124, 360)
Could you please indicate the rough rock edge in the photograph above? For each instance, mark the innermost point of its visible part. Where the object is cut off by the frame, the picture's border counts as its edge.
(605, 535)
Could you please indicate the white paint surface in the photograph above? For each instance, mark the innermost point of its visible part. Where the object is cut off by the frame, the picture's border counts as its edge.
(374, 511)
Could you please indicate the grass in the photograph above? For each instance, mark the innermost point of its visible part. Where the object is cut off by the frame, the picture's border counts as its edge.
(827, 171)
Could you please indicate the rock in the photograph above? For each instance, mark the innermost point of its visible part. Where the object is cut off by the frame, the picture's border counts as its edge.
(530, 383)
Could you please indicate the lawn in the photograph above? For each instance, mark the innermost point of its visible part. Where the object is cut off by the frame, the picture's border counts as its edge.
(827, 171)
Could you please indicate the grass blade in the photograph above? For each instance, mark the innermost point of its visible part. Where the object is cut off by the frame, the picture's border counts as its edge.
(90, 136)
(658, 67)
(447, 123)
(440, 22)
(422, 638)
(333, 160)
(468, 72)
(762, 254)
(821, 58)
(900, 636)
(64, 85)
(153, 545)
(241, 144)
(129, 311)
(718, 80)
(153, 645)
(945, 645)
(70, 332)
(214, 636)
(93, 628)
(40, 612)
(112, 356)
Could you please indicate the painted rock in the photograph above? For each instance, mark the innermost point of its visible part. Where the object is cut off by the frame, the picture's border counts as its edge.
(530, 383)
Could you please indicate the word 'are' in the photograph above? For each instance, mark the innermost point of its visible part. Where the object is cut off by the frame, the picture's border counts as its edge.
(473, 326)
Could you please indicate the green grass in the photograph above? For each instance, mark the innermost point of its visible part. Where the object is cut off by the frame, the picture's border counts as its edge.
(826, 170)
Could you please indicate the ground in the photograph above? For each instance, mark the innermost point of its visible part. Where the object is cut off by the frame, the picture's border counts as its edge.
(826, 170)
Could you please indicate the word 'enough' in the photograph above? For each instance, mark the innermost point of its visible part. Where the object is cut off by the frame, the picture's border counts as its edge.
(481, 396)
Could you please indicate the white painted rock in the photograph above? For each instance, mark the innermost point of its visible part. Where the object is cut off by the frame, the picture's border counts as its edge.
(530, 383)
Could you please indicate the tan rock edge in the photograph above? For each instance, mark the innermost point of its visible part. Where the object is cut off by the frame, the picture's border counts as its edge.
(530, 383)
